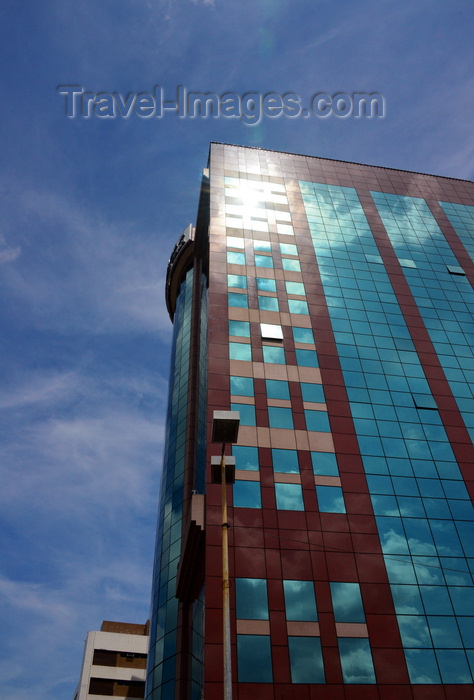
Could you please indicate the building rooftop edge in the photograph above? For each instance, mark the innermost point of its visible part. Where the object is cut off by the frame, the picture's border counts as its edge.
(338, 160)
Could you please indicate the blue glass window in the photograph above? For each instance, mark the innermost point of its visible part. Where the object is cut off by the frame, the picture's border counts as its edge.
(264, 284)
(288, 249)
(347, 602)
(295, 288)
(422, 666)
(444, 632)
(235, 258)
(240, 351)
(239, 328)
(414, 631)
(330, 499)
(254, 658)
(247, 413)
(273, 355)
(306, 358)
(312, 392)
(317, 420)
(263, 261)
(290, 264)
(453, 666)
(300, 603)
(239, 281)
(247, 494)
(285, 461)
(251, 598)
(241, 386)
(262, 245)
(306, 660)
(245, 457)
(277, 389)
(240, 301)
(392, 536)
(289, 497)
(280, 417)
(268, 303)
(324, 463)
(303, 335)
(297, 306)
(467, 631)
(356, 660)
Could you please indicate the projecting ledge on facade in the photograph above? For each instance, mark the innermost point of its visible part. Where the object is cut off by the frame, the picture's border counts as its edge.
(117, 673)
(192, 552)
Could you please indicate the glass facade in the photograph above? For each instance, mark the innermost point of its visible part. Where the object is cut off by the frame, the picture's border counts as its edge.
(164, 620)
(423, 509)
(335, 305)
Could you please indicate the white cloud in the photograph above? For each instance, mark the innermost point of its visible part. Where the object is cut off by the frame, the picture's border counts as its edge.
(93, 274)
(9, 254)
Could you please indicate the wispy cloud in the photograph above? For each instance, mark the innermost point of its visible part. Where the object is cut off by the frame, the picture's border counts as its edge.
(91, 272)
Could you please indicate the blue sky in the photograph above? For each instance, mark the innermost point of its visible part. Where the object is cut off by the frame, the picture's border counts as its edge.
(91, 209)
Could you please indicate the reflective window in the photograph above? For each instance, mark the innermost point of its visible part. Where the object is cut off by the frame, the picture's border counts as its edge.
(273, 355)
(245, 457)
(251, 598)
(271, 331)
(445, 632)
(407, 599)
(463, 600)
(240, 301)
(280, 417)
(289, 497)
(263, 261)
(277, 389)
(466, 626)
(297, 306)
(306, 660)
(254, 658)
(453, 666)
(330, 499)
(239, 328)
(237, 281)
(234, 242)
(288, 249)
(356, 660)
(422, 666)
(312, 392)
(290, 264)
(247, 413)
(295, 288)
(392, 536)
(246, 494)
(268, 303)
(324, 463)
(414, 631)
(264, 284)
(436, 600)
(306, 358)
(285, 461)
(347, 602)
(240, 351)
(300, 603)
(262, 245)
(235, 258)
(303, 335)
(317, 420)
(241, 386)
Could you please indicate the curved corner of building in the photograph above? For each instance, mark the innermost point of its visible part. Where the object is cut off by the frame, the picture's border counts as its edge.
(179, 263)
(192, 243)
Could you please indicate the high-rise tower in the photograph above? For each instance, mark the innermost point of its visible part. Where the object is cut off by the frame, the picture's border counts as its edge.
(330, 303)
